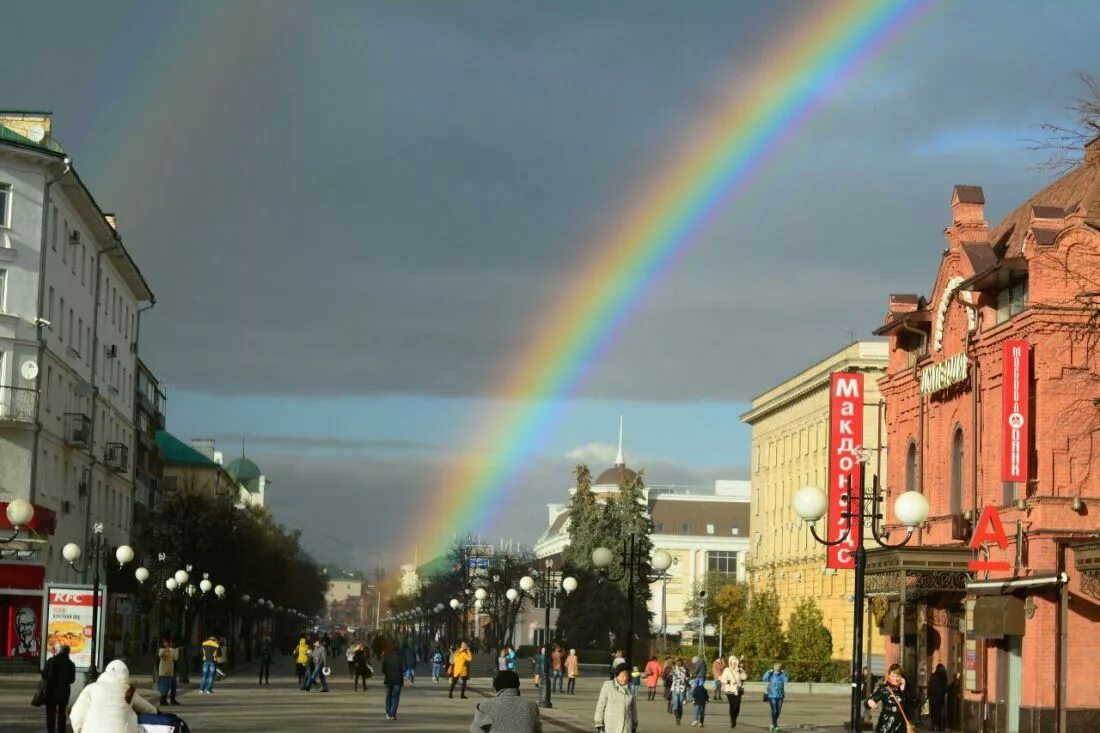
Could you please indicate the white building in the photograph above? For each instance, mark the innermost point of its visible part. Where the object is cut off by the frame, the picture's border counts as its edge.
(70, 296)
(705, 530)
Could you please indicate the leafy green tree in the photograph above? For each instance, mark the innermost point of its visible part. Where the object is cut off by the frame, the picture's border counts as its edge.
(584, 620)
(762, 640)
(597, 612)
(809, 642)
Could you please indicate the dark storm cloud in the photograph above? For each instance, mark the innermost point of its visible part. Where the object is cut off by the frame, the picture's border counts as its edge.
(393, 197)
(326, 442)
(370, 511)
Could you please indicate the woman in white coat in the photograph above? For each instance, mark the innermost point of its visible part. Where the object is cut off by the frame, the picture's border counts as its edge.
(617, 709)
(733, 686)
(102, 706)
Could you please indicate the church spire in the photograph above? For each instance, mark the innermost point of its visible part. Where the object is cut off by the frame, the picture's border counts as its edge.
(619, 458)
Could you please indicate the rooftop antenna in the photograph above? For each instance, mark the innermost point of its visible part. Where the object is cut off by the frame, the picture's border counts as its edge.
(619, 458)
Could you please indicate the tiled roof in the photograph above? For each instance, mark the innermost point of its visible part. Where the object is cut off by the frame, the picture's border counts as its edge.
(1082, 184)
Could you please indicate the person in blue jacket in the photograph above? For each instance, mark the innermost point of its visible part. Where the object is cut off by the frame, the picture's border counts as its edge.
(777, 679)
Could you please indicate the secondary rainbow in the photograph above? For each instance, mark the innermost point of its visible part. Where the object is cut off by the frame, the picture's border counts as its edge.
(802, 69)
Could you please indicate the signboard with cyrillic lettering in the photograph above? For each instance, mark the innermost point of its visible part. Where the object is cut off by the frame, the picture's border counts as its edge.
(845, 440)
(1015, 383)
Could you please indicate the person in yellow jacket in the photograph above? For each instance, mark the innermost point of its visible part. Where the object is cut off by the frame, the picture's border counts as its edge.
(301, 658)
(462, 659)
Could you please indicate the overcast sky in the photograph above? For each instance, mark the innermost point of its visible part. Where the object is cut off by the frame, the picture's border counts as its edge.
(353, 214)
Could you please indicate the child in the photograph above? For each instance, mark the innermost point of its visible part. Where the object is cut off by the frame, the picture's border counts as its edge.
(635, 681)
(700, 697)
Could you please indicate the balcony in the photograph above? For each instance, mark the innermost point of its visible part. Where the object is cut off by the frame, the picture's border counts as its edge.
(78, 430)
(18, 405)
(116, 456)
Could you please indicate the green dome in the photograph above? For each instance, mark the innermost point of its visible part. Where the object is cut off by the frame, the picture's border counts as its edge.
(246, 473)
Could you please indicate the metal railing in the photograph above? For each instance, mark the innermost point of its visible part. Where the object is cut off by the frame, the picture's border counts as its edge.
(46, 143)
(18, 404)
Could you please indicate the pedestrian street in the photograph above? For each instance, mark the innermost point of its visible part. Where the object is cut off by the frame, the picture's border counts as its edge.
(239, 704)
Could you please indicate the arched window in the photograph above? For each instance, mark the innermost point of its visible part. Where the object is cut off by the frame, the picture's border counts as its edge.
(911, 467)
(958, 455)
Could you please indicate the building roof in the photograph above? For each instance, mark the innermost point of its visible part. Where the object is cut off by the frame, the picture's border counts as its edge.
(175, 451)
(1080, 186)
(671, 517)
(617, 475)
(245, 472)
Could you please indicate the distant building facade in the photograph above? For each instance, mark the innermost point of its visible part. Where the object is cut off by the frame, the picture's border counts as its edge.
(704, 529)
(790, 443)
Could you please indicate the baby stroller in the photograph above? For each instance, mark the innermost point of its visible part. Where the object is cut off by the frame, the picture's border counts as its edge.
(162, 723)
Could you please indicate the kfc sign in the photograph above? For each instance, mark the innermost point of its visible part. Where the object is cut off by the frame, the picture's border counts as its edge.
(1015, 386)
(845, 437)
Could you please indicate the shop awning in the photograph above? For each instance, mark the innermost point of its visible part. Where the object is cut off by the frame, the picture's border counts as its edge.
(996, 617)
(995, 586)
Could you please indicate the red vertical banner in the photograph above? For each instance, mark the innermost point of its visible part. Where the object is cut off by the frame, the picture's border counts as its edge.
(845, 440)
(1015, 386)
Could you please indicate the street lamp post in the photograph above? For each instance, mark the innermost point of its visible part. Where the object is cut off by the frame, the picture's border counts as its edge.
(97, 553)
(911, 509)
(633, 567)
(547, 579)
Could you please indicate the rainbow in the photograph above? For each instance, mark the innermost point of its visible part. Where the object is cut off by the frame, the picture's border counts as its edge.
(801, 71)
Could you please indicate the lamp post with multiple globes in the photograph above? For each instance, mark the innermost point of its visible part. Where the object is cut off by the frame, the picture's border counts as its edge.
(97, 553)
(633, 565)
(911, 509)
(548, 583)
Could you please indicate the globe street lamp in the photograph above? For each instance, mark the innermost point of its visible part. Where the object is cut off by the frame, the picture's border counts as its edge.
(97, 553)
(911, 509)
(633, 566)
(548, 580)
(20, 512)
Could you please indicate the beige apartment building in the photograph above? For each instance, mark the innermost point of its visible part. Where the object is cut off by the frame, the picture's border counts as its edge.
(790, 442)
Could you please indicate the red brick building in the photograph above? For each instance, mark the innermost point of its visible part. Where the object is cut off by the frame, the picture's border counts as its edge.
(1021, 643)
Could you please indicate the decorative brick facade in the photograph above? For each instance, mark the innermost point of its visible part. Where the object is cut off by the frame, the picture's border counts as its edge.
(1036, 277)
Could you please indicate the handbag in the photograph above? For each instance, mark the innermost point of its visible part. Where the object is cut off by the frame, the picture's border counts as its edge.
(765, 697)
(39, 697)
(450, 670)
(909, 727)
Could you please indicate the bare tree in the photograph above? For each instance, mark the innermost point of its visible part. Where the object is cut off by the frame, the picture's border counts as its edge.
(1063, 145)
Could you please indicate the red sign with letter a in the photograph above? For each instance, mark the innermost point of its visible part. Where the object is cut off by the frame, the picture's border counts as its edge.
(1014, 410)
(845, 437)
(989, 531)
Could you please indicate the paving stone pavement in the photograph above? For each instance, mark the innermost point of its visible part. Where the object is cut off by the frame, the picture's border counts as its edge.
(239, 704)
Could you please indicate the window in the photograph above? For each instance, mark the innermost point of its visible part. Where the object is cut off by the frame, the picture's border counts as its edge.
(5, 204)
(65, 244)
(70, 327)
(685, 527)
(3, 289)
(722, 563)
(88, 340)
(80, 337)
(710, 529)
(958, 456)
(911, 467)
(53, 241)
(49, 313)
(83, 263)
(49, 379)
(61, 326)
(1011, 294)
